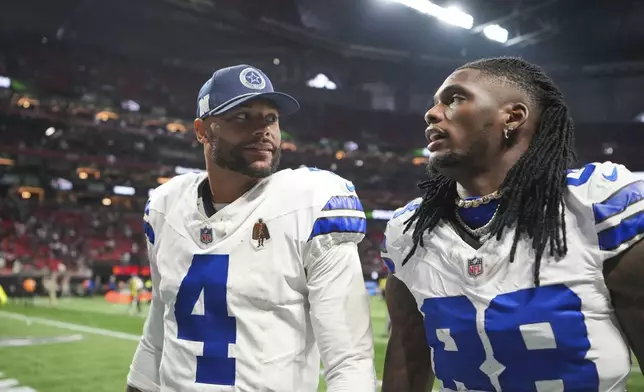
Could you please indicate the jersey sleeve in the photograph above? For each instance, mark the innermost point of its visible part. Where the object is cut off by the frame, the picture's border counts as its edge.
(337, 214)
(613, 198)
(393, 249)
(144, 370)
(336, 290)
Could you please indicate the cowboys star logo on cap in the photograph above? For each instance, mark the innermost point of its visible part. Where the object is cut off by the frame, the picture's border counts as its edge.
(233, 86)
(252, 79)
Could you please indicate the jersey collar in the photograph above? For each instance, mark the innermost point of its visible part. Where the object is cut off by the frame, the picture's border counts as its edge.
(206, 198)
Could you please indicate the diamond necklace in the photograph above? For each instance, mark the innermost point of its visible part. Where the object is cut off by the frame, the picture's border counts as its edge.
(480, 233)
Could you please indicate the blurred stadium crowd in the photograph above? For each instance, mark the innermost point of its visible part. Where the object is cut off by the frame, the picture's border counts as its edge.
(90, 135)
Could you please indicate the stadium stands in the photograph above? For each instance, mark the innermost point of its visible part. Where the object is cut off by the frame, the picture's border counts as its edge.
(88, 126)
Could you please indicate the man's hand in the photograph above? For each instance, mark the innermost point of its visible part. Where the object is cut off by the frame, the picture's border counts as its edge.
(407, 362)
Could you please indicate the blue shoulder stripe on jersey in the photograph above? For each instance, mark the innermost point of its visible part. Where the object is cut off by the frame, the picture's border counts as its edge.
(383, 245)
(389, 263)
(343, 203)
(338, 224)
(627, 229)
(149, 232)
(147, 227)
(578, 177)
(619, 201)
(408, 207)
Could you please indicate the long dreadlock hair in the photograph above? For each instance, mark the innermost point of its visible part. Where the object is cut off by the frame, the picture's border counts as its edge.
(534, 187)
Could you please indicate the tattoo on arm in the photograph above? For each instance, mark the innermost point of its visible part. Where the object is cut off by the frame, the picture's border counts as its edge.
(624, 276)
(407, 362)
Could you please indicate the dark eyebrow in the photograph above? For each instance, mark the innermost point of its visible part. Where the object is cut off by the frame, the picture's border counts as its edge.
(452, 88)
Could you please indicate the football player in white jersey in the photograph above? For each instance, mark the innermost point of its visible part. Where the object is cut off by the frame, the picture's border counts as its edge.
(256, 275)
(513, 273)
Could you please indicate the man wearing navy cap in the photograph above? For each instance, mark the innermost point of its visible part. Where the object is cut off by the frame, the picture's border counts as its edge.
(255, 271)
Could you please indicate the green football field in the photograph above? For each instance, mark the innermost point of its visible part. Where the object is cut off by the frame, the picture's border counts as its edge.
(87, 345)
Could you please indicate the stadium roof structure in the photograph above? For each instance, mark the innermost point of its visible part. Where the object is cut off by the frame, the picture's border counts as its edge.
(553, 31)
(359, 39)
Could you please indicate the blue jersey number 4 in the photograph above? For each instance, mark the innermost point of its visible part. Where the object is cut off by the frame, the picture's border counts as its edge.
(215, 328)
(538, 336)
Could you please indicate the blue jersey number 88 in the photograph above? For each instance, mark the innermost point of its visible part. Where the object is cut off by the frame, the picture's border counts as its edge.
(557, 358)
(214, 328)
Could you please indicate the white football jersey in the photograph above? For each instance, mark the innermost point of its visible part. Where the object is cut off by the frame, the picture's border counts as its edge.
(250, 298)
(491, 329)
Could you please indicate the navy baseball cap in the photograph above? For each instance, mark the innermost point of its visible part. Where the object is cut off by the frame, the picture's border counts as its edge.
(232, 86)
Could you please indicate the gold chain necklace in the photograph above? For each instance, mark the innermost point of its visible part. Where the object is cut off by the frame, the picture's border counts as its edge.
(478, 201)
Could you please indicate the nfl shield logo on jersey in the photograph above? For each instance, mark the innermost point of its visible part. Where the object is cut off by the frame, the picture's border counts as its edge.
(205, 235)
(475, 266)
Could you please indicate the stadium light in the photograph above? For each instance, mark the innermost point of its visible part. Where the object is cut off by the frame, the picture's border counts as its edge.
(124, 190)
(321, 81)
(449, 15)
(130, 105)
(5, 82)
(454, 16)
(496, 33)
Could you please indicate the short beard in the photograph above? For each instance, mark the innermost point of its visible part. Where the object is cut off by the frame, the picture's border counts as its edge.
(231, 157)
(472, 158)
(446, 161)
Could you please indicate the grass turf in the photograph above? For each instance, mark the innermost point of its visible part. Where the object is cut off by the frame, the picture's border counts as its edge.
(100, 363)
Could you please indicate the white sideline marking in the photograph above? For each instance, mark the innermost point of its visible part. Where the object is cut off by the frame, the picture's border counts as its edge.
(13, 385)
(71, 326)
(8, 383)
(35, 341)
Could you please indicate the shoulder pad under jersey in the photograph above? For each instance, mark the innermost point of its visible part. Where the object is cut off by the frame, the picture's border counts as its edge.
(393, 248)
(613, 198)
